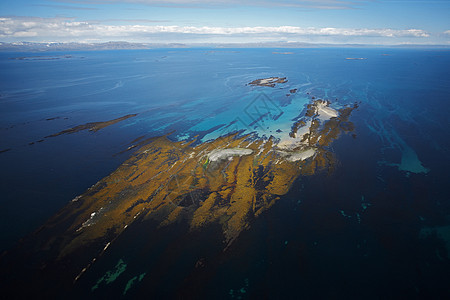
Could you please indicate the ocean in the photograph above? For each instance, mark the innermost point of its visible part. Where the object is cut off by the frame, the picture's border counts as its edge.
(377, 226)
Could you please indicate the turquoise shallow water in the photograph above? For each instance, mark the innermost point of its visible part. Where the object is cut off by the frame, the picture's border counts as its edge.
(380, 220)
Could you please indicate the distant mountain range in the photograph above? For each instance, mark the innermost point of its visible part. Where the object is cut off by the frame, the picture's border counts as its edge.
(38, 47)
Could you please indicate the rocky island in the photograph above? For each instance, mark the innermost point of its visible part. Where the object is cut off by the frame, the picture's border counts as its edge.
(228, 181)
(270, 82)
(92, 126)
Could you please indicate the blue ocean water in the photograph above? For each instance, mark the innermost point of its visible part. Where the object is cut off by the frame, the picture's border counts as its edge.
(379, 225)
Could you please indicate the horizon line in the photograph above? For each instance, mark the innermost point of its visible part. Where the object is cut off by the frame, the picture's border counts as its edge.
(273, 44)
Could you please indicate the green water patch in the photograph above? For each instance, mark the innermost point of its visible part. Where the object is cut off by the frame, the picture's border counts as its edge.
(344, 214)
(442, 232)
(364, 204)
(239, 293)
(410, 161)
(112, 275)
(133, 281)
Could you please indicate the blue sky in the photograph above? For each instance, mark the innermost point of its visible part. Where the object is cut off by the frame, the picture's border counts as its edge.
(190, 21)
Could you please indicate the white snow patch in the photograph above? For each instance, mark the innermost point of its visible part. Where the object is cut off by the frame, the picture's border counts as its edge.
(219, 154)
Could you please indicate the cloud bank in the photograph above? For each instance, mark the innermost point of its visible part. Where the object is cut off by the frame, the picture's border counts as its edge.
(63, 29)
(314, 4)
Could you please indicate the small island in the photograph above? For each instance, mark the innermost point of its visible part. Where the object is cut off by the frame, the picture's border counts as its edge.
(41, 57)
(291, 91)
(270, 82)
(92, 126)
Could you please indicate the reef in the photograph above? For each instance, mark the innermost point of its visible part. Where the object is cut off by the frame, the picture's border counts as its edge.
(270, 82)
(93, 126)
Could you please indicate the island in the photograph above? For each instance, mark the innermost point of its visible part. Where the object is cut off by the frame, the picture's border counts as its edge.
(291, 91)
(41, 57)
(92, 126)
(285, 53)
(226, 182)
(270, 82)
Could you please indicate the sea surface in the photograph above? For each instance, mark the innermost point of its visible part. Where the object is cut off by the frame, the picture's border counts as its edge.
(378, 227)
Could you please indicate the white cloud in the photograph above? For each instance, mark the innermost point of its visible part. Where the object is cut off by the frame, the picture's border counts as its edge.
(320, 4)
(447, 32)
(66, 7)
(63, 29)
